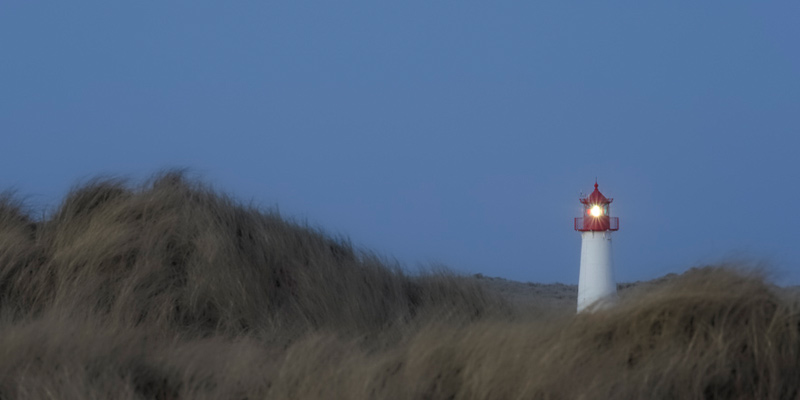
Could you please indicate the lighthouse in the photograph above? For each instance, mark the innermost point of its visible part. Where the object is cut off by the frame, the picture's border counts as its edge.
(596, 286)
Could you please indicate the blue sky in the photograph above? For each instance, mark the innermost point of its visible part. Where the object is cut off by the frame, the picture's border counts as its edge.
(432, 131)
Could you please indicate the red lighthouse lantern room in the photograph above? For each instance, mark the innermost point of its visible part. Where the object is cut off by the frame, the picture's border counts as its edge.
(596, 215)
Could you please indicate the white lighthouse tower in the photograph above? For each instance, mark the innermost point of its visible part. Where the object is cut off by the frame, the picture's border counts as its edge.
(596, 286)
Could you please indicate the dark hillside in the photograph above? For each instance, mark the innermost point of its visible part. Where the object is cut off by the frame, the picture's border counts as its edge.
(174, 254)
(170, 290)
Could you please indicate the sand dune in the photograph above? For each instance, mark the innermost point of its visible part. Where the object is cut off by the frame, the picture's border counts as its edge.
(169, 290)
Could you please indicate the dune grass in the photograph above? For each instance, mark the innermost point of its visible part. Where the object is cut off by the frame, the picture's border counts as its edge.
(170, 290)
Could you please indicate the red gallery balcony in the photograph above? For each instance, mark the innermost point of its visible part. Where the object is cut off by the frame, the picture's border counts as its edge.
(601, 223)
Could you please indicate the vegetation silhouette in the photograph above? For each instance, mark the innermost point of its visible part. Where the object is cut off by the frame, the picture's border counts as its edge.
(171, 290)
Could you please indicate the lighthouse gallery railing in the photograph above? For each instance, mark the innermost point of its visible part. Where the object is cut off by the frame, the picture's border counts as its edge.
(582, 225)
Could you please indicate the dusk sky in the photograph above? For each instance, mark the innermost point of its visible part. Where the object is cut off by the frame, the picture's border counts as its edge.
(451, 132)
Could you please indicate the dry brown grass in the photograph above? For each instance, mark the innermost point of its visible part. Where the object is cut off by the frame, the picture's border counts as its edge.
(169, 290)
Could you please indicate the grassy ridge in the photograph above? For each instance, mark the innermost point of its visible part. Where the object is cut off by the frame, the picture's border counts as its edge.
(170, 290)
(176, 255)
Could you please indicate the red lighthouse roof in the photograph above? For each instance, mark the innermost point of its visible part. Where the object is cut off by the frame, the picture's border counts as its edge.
(596, 197)
(596, 217)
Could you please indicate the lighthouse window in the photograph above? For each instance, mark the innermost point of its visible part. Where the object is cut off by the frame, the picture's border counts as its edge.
(605, 209)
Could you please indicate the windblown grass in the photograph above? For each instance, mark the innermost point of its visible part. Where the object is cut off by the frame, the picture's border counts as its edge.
(169, 290)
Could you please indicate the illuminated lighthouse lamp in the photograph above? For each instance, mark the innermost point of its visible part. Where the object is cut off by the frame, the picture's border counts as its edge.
(596, 285)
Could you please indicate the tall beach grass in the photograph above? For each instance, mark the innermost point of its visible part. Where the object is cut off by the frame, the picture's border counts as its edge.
(170, 290)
